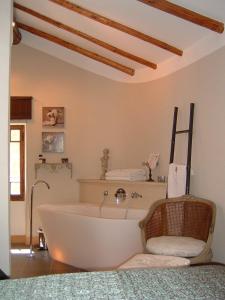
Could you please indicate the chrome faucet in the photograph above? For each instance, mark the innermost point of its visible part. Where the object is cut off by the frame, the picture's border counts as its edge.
(31, 211)
(135, 195)
(120, 195)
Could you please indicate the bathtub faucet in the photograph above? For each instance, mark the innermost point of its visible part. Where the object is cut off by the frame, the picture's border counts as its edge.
(31, 210)
(120, 195)
(135, 195)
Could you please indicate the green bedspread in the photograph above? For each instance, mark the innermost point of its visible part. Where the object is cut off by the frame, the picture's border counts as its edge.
(205, 282)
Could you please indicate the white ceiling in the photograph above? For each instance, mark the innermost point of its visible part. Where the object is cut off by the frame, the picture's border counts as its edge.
(194, 40)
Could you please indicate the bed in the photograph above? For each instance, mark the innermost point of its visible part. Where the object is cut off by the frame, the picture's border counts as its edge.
(200, 282)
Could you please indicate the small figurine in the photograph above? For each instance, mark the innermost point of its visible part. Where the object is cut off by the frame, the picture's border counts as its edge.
(104, 163)
(41, 158)
(64, 160)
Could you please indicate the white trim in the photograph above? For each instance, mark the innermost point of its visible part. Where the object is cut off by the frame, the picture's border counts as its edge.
(5, 47)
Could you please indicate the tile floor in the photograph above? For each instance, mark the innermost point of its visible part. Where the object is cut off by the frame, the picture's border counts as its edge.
(22, 265)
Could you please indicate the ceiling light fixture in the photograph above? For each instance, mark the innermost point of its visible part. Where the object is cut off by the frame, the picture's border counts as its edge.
(16, 34)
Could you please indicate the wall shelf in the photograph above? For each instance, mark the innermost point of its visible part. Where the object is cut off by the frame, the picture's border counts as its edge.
(53, 167)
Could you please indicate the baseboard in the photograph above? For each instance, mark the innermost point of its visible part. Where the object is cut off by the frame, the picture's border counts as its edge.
(22, 239)
(35, 240)
(18, 239)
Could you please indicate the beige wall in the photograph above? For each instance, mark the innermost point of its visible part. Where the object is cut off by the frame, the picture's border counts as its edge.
(204, 84)
(132, 120)
(5, 46)
(99, 113)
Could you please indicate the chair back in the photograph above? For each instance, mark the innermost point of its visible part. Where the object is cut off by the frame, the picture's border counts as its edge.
(183, 216)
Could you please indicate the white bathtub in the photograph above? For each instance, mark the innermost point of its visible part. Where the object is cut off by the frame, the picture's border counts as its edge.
(82, 236)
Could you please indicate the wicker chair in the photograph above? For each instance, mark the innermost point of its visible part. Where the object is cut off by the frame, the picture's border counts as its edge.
(185, 216)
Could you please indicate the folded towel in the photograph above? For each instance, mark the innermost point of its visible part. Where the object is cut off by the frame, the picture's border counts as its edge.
(176, 180)
(128, 178)
(126, 172)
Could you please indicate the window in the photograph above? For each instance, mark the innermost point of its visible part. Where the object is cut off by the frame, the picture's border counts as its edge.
(17, 169)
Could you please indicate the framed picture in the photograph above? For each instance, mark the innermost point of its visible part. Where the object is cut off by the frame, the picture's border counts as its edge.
(53, 116)
(53, 142)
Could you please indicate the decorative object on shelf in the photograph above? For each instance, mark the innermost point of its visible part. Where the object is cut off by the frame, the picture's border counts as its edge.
(53, 167)
(146, 164)
(64, 160)
(104, 163)
(41, 158)
(53, 116)
(162, 179)
(151, 164)
(53, 142)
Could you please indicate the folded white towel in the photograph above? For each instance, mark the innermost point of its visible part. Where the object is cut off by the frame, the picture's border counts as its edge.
(128, 178)
(176, 180)
(126, 172)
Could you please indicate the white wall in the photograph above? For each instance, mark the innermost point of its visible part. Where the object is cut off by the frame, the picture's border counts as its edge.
(5, 45)
(98, 114)
(17, 218)
(204, 84)
(132, 120)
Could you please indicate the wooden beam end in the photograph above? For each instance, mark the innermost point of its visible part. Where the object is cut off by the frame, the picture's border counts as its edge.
(220, 28)
(186, 14)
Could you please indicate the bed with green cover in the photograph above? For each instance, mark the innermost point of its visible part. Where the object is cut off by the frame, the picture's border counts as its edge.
(200, 282)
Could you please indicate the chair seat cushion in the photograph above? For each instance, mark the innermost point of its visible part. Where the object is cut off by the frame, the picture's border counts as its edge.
(154, 261)
(175, 246)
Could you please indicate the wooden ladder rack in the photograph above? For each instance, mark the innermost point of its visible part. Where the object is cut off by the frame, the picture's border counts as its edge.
(190, 133)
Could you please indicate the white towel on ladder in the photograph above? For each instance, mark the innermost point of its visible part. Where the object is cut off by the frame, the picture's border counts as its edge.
(177, 180)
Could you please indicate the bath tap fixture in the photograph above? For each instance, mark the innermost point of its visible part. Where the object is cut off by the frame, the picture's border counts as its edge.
(120, 195)
(31, 211)
(135, 195)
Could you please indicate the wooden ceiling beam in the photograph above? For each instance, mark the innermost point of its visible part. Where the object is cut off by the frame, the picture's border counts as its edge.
(76, 48)
(86, 36)
(106, 21)
(186, 14)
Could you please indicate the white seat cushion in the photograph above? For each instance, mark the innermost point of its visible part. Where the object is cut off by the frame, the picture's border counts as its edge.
(154, 261)
(175, 246)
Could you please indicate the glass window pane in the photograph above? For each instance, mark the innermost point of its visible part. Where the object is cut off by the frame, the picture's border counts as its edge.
(15, 135)
(15, 162)
(15, 188)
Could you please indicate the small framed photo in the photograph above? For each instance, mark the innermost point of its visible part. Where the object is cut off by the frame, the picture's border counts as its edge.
(53, 116)
(53, 142)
